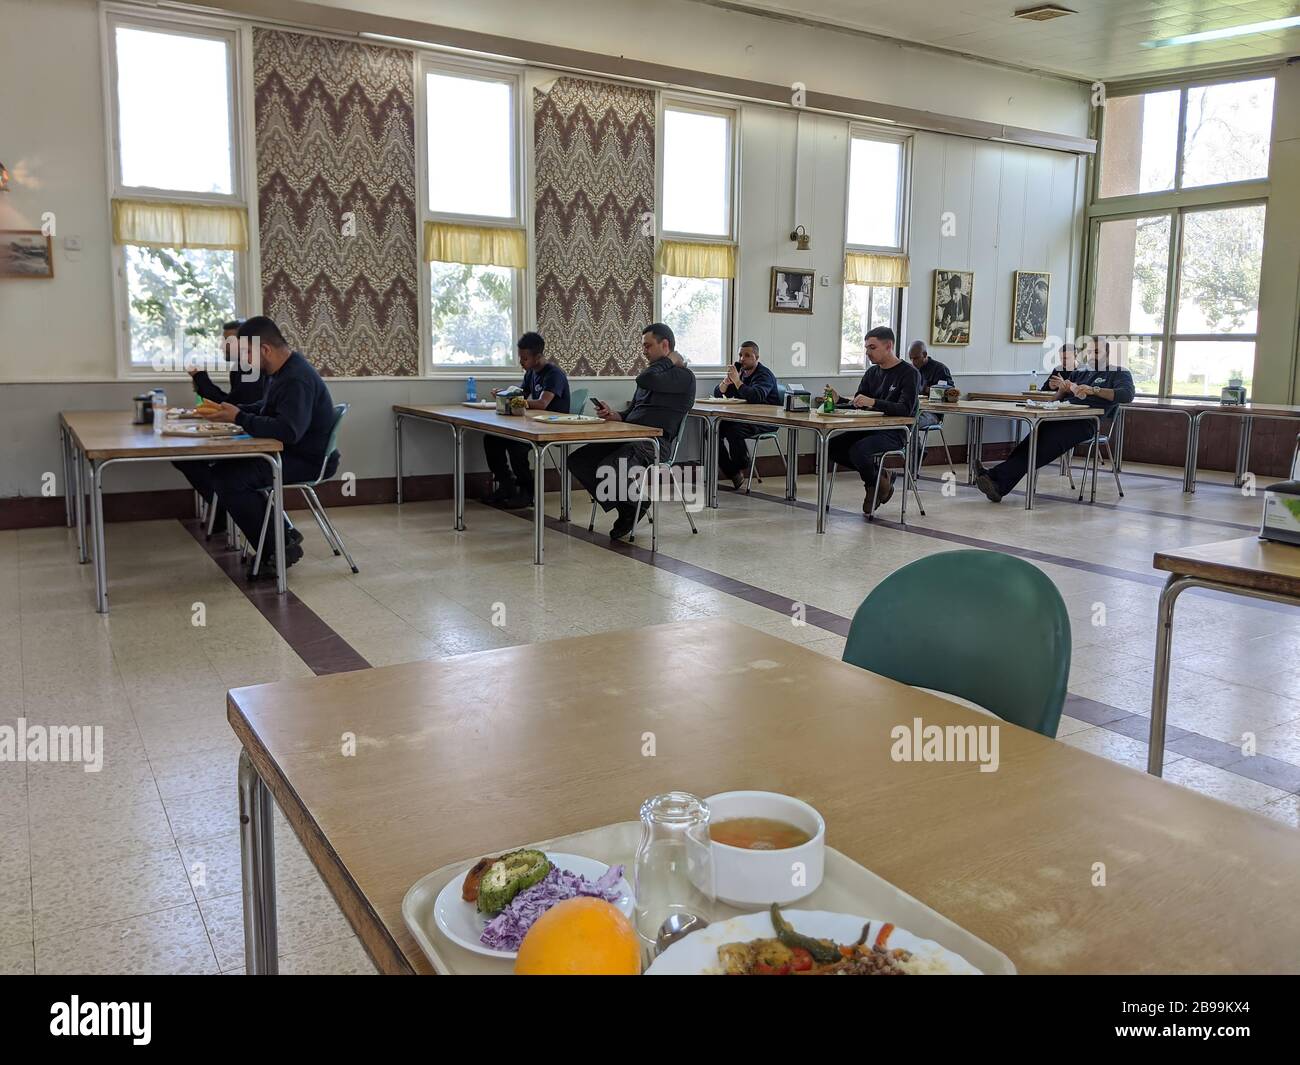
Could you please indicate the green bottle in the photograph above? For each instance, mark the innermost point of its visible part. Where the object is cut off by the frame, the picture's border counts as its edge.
(828, 401)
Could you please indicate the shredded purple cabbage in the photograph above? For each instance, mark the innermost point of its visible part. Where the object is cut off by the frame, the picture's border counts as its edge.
(506, 930)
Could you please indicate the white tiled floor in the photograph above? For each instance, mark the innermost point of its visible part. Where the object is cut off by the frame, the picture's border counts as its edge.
(136, 868)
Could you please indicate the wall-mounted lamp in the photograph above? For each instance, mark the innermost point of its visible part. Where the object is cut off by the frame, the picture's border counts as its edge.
(800, 238)
(4, 178)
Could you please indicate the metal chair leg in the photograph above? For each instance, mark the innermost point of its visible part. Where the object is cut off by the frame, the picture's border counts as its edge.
(591, 523)
(1083, 481)
(327, 527)
(951, 468)
(1067, 466)
(212, 516)
(640, 498)
(261, 536)
(753, 461)
(1110, 457)
(681, 495)
(830, 484)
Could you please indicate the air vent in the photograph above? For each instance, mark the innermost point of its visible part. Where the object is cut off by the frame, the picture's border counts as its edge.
(1043, 12)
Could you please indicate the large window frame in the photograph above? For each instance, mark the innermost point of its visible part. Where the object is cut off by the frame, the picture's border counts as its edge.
(1176, 204)
(693, 105)
(437, 63)
(246, 265)
(858, 131)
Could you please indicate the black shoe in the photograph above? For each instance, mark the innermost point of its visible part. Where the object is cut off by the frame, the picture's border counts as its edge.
(504, 491)
(737, 479)
(985, 484)
(886, 488)
(518, 501)
(292, 538)
(292, 554)
(623, 527)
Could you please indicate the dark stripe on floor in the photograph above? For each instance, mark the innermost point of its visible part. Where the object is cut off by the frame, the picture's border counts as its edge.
(311, 639)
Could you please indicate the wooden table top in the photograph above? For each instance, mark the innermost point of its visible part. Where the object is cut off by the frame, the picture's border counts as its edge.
(769, 414)
(522, 427)
(111, 434)
(467, 756)
(1260, 565)
(1007, 397)
(1213, 406)
(1011, 409)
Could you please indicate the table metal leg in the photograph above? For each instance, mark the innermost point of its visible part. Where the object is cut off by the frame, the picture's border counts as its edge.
(79, 480)
(65, 454)
(1096, 460)
(823, 463)
(1031, 477)
(974, 447)
(277, 490)
(1160, 683)
(97, 527)
(397, 446)
(1243, 449)
(565, 488)
(713, 463)
(257, 862)
(1193, 445)
(1117, 440)
(458, 475)
(539, 502)
(792, 464)
(654, 503)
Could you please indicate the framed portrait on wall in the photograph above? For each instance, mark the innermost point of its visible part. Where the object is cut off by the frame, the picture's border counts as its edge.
(25, 253)
(792, 291)
(1031, 298)
(950, 325)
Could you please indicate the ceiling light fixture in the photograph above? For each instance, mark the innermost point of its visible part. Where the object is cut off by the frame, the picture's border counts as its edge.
(1226, 32)
(1043, 12)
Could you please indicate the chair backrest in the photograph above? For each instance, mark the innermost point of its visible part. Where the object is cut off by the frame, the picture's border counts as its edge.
(577, 400)
(340, 409)
(981, 625)
(780, 394)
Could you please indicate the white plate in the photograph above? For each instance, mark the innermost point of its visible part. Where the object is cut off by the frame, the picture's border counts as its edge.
(697, 954)
(564, 418)
(854, 413)
(720, 399)
(480, 404)
(461, 922)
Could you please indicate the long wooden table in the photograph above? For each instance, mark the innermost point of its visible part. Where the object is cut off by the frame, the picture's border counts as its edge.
(978, 410)
(458, 759)
(824, 429)
(91, 441)
(1250, 567)
(541, 437)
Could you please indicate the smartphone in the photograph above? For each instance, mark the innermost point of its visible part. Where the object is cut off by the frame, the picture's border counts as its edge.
(598, 404)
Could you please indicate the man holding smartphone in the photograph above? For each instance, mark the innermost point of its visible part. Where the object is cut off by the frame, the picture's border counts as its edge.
(750, 380)
(545, 387)
(665, 393)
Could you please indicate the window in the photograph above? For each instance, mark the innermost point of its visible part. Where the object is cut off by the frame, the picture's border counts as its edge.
(697, 231)
(474, 239)
(179, 152)
(874, 223)
(1178, 281)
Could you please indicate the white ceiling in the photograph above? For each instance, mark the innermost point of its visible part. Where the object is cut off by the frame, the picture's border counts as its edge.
(1101, 42)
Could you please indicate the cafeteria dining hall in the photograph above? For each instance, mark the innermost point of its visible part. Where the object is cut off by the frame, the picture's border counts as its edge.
(658, 487)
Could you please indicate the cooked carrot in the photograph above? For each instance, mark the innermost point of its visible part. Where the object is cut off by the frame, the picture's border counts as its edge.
(883, 936)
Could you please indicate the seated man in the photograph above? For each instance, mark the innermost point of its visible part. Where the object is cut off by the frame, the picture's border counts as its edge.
(545, 388)
(297, 410)
(753, 382)
(932, 372)
(889, 386)
(247, 383)
(1104, 387)
(1064, 373)
(665, 393)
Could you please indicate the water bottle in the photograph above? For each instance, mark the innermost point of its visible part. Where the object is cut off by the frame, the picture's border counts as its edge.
(1033, 381)
(471, 390)
(159, 409)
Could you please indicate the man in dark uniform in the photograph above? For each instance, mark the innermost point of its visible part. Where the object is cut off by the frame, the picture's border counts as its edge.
(298, 411)
(665, 393)
(545, 387)
(932, 373)
(1103, 387)
(890, 386)
(750, 380)
(246, 381)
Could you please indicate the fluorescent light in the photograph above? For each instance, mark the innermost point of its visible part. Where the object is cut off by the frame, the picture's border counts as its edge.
(1225, 32)
(410, 41)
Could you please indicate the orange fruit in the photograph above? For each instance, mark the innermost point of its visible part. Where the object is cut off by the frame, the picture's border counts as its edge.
(580, 937)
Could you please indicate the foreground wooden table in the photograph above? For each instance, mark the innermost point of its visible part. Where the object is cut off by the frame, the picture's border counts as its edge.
(823, 428)
(1250, 567)
(456, 759)
(540, 436)
(94, 440)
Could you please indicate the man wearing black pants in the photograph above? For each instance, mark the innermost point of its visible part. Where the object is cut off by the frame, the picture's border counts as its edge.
(545, 387)
(298, 411)
(889, 386)
(753, 382)
(665, 393)
(1103, 387)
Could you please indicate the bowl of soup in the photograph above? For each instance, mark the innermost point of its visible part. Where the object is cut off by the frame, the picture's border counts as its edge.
(766, 848)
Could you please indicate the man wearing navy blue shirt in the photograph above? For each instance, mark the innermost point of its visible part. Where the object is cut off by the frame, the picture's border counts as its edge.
(1101, 386)
(750, 380)
(545, 387)
(298, 411)
(247, 382)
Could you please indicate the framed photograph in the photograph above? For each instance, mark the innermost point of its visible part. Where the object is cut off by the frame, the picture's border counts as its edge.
(792, 291)
(1031, 299)
(950, 325)
(25, 253)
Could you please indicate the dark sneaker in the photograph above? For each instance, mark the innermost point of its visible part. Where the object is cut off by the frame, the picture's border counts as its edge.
(292, 538)
(292, 554)
(518, 501)
(622, 527)
(867, 508)
(886, 488)
(503, 493)
(737, 479)
(985, 484)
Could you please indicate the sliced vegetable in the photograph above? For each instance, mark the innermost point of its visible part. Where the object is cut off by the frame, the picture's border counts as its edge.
(882, 937)
(822, 950)
(509, 875)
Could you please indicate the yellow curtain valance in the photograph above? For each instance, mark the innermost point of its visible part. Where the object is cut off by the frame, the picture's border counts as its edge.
(156, 224)
(869, 268)
(679, 258)
(447, 242)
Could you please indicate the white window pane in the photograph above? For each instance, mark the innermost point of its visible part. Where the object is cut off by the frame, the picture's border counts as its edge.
(697, 174)
(874, 171)
(1218, 289)
(1139, 143)
(173, 108)
(854, 325)
(1204, 367)
(472, 314)
(1131, 276)
(471, 136)
(1228, 131)
(176, 302)
(882, 306)
(694, 308)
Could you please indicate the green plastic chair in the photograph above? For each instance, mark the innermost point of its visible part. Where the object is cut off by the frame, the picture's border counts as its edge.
(981, 625)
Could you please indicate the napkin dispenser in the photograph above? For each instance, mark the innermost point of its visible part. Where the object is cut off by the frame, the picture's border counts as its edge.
(505, 396)
(1281, 513)
(1232, 395)
(797, 399)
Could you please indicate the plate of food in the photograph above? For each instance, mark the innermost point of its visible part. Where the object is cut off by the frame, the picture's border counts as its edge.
(806, 943)
(719, 399)
(848, 412)
(564, 418)
(207, 430)
(183, 413)
(491, 907)
(480, 404)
